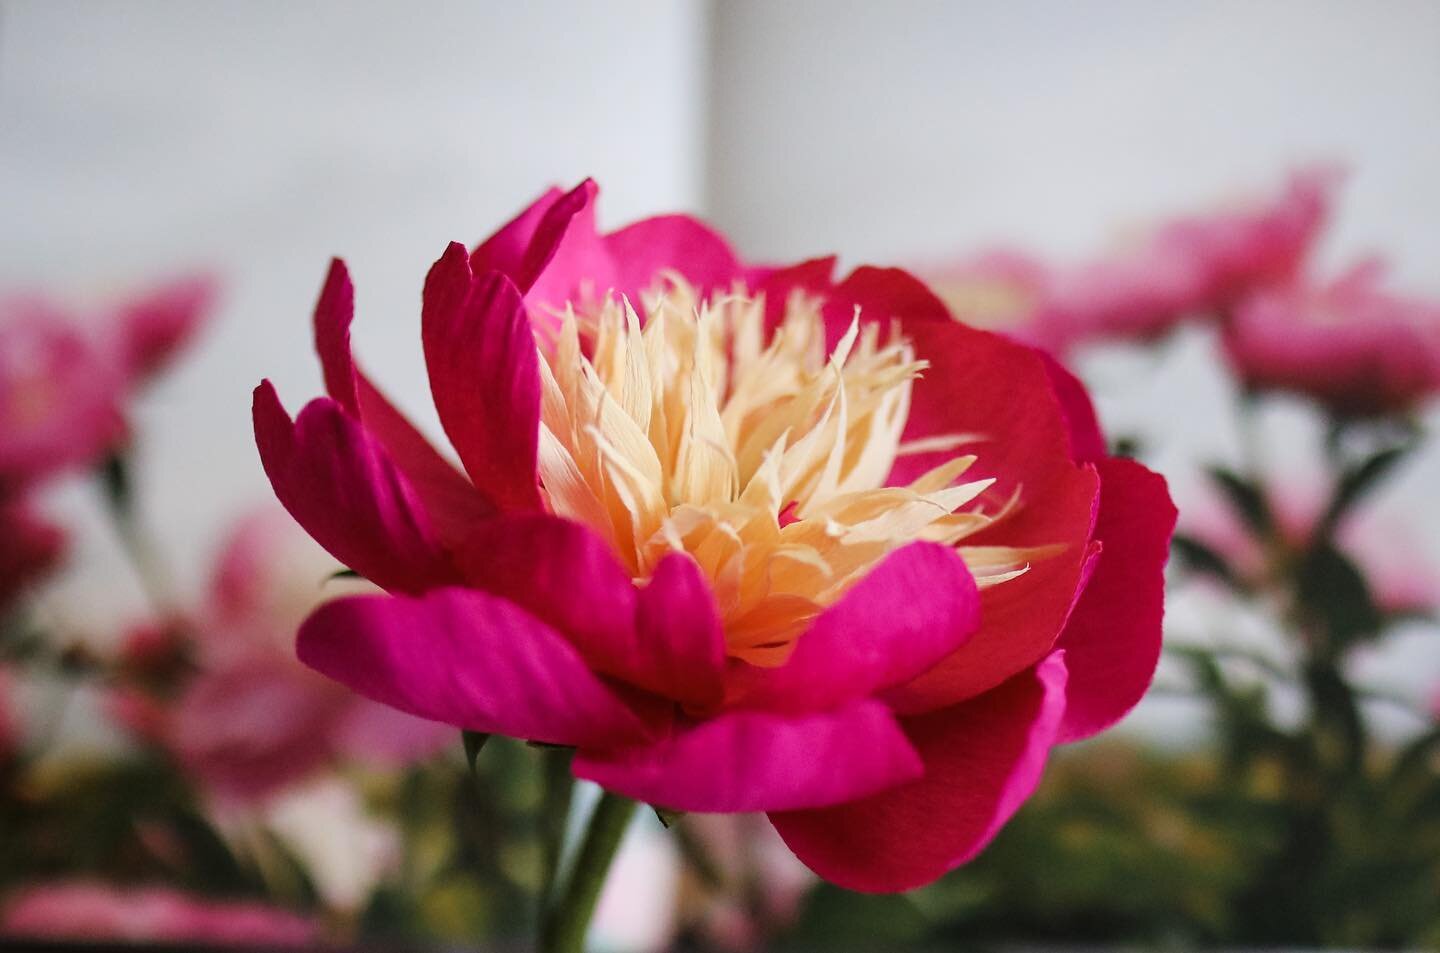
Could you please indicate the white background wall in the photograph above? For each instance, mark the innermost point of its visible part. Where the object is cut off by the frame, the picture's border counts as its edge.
(263, 137)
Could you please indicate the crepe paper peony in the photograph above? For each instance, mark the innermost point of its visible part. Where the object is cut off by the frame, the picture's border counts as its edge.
(30, 548)
(747, 539)
(1197, 265)
(1350, 345)
(251, 721)
(82, 910)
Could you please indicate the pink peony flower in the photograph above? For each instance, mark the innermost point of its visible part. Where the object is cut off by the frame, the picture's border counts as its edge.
(30, 548)
(154, 327)
(61, 395)
(1194, 265)
(1350, 345)
(252, 720)
(64, 386)
(997, 290)
(742, 550)
(80, 910)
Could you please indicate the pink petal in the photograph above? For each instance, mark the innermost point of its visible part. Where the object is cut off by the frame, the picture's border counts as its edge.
(1112, 641)
(333, 314)
(469, 659)
(778, 284)
(666, 640)
(914, 609)
(753, 761)
(451, 501)
(1021, 620)
(1087, 441)
(157, 326)
(505, 250)
(566, 254)
(984, 384)
(643, 250)
(983, 758)
(484, 376)
(680, 648)
(340, 484)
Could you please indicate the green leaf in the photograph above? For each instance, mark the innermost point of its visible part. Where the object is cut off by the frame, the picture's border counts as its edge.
(474, 741)
(114, 472)
(1360, 480)
(1335, 596)
(343, 574)
(1246, 498)
(1199, 558)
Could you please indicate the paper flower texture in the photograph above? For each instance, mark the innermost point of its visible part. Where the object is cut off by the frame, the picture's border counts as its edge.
(748, 539)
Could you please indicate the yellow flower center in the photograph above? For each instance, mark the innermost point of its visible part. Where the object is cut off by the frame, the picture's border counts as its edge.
(765, 460)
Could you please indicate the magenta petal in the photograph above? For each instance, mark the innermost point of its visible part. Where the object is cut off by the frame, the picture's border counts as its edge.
(469, 659)
(484, 376)
(340, 484)
(671, 242)
(1112, 640)
(759, 761)
(450, 499)
(1087, 441)
(814, 276)
(915, 608)
(983, 758)
(505, 250)
(667, 639)
(566, 255)
(333, 314)
(680, 650)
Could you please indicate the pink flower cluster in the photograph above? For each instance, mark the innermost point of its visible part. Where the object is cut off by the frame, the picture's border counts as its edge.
(223, 692)
(64, 385)
(1346, 343)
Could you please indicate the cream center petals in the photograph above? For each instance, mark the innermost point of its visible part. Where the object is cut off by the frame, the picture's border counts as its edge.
(762, 456)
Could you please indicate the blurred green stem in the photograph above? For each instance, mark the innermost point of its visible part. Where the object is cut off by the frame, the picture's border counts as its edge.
(565, 924)
(120, 503)
(559, 786)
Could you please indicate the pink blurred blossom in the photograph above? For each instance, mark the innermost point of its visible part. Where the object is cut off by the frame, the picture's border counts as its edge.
(1196, 265)
(1348, 344)
(81, 910)
(251, 720)
(766, 882)
(155, 326)
(30, 548)
(61, 395)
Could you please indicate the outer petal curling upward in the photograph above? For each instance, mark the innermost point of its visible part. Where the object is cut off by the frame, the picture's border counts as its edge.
(983, 758)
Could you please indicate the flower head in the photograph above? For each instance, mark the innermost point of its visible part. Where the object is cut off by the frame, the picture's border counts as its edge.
(749, 539)
(1357, 349)
(1194, 265)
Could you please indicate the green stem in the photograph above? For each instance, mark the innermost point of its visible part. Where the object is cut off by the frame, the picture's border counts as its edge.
(559, 785)
(120, 503)
(564, 928)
